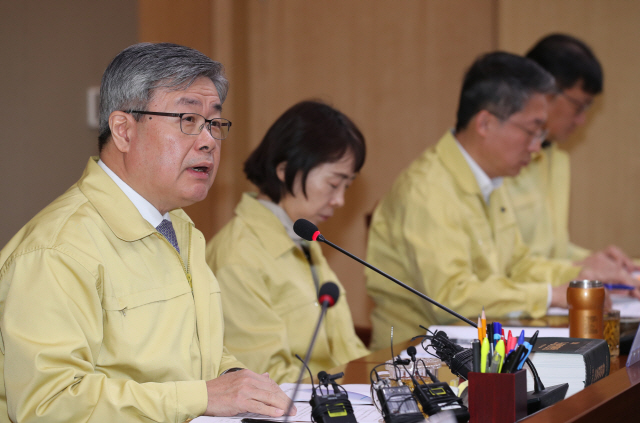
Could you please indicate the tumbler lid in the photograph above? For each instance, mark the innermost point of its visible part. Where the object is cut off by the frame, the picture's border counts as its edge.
(585, 284)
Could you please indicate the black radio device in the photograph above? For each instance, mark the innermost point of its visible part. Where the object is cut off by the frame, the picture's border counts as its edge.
(436, 397)
(331, 407)
(397, 403)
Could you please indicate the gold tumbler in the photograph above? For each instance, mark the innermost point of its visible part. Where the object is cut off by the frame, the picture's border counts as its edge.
(586, 305)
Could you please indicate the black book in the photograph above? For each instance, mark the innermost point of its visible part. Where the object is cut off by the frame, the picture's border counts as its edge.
(579, 362)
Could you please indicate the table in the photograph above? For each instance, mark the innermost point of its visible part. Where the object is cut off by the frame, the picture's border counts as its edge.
(615, 398)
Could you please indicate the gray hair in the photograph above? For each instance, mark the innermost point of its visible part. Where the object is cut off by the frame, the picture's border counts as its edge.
(501, 83)
(136, 72)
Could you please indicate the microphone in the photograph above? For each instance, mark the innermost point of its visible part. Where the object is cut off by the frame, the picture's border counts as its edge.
(307, 230)
(330, 293)
(412, 353)
(327, 296)
(326, 379)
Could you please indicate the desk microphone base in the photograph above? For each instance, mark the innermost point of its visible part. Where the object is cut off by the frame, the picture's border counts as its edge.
(536, 401)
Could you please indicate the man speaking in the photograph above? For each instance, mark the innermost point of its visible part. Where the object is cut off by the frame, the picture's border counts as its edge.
(108, 311)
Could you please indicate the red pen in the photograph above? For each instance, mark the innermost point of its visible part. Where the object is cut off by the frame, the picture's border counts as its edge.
(510, 342)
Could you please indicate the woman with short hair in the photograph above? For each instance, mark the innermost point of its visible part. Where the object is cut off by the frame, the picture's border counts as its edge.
(269, 276)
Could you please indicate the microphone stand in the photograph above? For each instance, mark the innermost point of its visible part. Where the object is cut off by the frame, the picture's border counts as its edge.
(305, 363)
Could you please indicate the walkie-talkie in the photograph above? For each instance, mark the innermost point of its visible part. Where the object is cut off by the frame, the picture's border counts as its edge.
(436, 397)
(331, 407)
(397, 403)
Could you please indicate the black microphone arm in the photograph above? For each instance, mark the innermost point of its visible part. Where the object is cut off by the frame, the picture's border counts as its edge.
(328, 296)
(309, 231)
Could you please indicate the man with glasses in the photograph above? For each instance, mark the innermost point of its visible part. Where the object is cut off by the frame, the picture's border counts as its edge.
(540, 193)
(447, 227)
(109, 311)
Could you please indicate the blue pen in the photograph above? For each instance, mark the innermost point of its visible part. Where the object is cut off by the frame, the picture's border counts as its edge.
(527, 351)
(618, 286)
(497, 332)
(496, 338)
(529, 346)
(521, 338)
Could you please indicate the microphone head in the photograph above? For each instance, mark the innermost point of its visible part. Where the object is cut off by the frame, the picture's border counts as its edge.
(306, 230)
(322, 375)
(412, 352)
(329, 292)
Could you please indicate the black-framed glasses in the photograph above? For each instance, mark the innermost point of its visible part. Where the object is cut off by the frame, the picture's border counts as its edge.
(193, 123)
(580, 106)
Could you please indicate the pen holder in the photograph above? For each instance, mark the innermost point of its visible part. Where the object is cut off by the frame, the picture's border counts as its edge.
(497, 397)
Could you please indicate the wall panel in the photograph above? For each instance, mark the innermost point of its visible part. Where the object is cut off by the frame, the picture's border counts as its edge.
(51, 53)
(394, 70)
(605, 153)
(394, 67)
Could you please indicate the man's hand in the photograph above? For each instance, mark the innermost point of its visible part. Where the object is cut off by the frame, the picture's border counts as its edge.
(618, 256)
(622, 261)
(600, 266)
(245, 391)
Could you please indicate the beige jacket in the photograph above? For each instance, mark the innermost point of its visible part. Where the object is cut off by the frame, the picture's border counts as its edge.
(435, 232)
(101, 319)
(270, 301)
(540, 198)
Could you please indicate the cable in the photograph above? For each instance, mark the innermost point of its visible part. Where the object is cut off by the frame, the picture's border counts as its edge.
(310, 375)
(431, 375)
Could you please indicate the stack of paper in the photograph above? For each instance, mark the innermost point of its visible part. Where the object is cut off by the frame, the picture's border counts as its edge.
(363, 408)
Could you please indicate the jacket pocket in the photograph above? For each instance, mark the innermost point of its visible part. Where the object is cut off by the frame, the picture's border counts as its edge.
(138, 299)
(150, 333)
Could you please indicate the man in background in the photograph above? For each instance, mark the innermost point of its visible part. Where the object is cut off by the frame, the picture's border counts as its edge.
(447, 227)
(108, 311)
(540, 193)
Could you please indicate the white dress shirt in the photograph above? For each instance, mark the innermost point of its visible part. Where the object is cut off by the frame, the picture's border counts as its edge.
(487, 186)
(146, 209)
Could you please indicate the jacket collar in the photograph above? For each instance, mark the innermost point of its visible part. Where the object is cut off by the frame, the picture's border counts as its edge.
(452, 158)
(114, 206)
(265, 225)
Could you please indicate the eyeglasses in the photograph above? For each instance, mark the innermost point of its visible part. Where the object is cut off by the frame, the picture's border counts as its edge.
(536, 136)
(581, 106)
(193, 123)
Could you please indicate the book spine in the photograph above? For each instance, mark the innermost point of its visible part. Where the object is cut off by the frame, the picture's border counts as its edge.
(597, 363)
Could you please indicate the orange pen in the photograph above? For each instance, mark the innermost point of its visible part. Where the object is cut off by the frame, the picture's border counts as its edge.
(484, 323)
